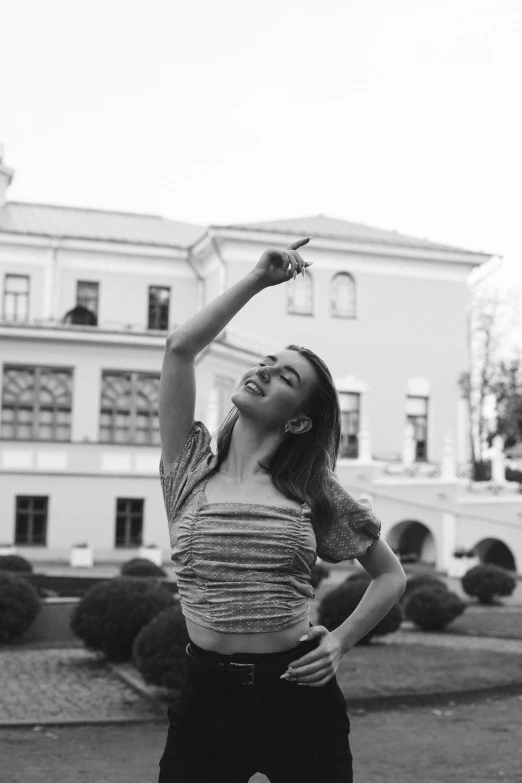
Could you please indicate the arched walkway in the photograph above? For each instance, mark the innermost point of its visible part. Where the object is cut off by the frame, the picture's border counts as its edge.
(494, 551)
(413, 541)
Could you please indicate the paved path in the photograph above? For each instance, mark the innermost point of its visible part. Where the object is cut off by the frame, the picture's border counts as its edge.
(66, 686)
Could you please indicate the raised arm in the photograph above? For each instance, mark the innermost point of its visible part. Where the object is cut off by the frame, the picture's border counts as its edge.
(177, 383)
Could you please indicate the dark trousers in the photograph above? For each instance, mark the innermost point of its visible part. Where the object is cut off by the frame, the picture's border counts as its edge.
(225, 733)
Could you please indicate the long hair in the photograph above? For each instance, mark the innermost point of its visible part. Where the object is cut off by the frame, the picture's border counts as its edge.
(303, 464)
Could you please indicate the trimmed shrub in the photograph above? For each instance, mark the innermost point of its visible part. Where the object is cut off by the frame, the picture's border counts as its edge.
(432, 609)
(359, 576)
(421, 580)
(15, 563)
(319, 572)
(140, 566)
(488, 582)
(110, 615)
(19, 606)
(339, 603)
(158, 652)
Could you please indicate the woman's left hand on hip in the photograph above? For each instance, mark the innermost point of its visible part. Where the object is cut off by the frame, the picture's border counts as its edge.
(320, 665)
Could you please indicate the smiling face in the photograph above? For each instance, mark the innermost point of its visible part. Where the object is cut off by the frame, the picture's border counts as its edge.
(275, 392)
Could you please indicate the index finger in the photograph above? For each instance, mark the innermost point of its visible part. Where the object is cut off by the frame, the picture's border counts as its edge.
(298, 243)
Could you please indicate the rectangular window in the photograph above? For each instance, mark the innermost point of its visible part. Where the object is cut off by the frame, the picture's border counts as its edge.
(31, 520)
(417, 415)
(16, 298)
(129, 522)
(129, 411)
(350, 410)
(36, 403)
(87, 295)
(159, 300)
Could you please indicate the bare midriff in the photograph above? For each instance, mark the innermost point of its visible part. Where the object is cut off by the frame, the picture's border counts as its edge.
(229, 643)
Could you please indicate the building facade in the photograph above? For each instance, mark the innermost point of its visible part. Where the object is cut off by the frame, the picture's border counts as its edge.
(88, 298)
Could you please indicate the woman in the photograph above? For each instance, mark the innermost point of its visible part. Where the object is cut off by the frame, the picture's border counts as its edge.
(246, 526)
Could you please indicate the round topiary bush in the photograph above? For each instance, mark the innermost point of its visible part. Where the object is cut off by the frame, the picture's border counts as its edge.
(111, 614)
(421, 580)
(319, 572)
(159, 649)
(140, 566)
(432, 609)
(339, 603)
(488, 583)
(359, 576)
(15, 563)
(19, 606)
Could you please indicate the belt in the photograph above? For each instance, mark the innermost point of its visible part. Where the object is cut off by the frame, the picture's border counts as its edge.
(237, 673)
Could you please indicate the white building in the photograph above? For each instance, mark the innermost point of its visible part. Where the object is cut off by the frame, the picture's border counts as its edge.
(87, 300)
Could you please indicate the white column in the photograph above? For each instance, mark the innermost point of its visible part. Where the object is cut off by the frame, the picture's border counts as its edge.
(498, 468)
(449, 538)
(448, 465)
(408, 448)
(365, 441)
(462, 431)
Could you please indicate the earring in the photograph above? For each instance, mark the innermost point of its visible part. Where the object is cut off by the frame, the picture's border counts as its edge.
(286, 430)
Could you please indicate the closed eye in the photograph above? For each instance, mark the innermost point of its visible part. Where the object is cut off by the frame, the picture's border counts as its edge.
(282, 376)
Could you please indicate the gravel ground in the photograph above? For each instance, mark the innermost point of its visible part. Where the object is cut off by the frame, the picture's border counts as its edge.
(463, 743)
(69, 685)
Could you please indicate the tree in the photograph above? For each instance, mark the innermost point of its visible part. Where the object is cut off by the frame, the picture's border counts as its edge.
(508, 396)
(491, 316)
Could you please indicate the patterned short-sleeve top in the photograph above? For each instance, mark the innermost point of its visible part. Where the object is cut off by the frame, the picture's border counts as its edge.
(246, 567)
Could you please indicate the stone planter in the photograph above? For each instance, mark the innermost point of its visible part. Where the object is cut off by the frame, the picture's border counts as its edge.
(152, 553)
(81, 557)
(8, 549)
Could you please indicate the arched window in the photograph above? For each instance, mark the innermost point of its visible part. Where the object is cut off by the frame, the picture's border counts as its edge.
(36, 403)
(130, 408)
(343, 295)
(300, 299)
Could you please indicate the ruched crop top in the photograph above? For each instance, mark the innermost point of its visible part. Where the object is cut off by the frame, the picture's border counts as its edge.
(246, 567)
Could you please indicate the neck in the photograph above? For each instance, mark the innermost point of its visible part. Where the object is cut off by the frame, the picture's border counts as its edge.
(248, 447)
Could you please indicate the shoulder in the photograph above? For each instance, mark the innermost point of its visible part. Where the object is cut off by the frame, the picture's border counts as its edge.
(194, 450)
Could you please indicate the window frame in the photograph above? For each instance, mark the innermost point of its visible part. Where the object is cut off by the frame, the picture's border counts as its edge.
(31, 512)
(17, 295)
(133, 413)
(82, 303)
(415, 420)
(333, 312)
(355, 413)
(126, 515)
(155, 308)
(37, 407)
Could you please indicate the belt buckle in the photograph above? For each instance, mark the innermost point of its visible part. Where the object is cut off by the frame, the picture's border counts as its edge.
(251, 673)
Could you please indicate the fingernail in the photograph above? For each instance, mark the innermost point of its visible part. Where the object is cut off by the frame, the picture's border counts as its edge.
(303, 638)
(286, 674)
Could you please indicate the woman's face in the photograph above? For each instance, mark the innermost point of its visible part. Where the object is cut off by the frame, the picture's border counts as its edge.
(275, 390)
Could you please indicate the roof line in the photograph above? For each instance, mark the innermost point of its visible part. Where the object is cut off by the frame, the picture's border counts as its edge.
(414, 242)
(65, 237)
(88, 209)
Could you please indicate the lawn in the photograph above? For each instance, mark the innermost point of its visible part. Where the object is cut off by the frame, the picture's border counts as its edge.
(488, 621)
(376, 670)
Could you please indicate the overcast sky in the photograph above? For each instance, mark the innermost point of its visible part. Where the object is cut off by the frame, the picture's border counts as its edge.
(404, 115)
